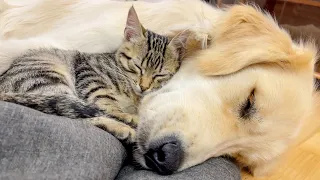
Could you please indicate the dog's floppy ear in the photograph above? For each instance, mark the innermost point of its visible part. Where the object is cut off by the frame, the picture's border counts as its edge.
(244, 37)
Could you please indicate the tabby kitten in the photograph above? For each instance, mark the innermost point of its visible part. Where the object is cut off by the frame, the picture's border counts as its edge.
(103, 88)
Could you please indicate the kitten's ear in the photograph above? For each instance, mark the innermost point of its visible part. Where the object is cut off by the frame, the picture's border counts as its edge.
(180, 41)
(133, 29)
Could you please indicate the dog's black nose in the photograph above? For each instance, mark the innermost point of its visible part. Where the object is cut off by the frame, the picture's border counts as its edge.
(165, 155)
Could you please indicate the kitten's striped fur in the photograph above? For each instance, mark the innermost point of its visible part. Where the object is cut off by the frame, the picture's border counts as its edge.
(103, 88)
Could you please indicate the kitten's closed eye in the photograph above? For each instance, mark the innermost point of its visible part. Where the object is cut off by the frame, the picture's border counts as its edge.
(132, 66)
(125, 56)
(160, 76)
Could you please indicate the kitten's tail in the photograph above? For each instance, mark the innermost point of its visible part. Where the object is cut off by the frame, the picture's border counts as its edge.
(61, 105)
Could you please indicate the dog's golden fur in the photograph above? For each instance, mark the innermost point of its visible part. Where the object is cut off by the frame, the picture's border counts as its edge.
(234, 39)
(248, 53)
(233, 49)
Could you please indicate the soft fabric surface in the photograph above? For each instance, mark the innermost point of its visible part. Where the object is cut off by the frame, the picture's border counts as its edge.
(38, 146)
(34, 145)
(213, 169)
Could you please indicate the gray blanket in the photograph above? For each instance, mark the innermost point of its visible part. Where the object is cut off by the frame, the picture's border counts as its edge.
(34, 145)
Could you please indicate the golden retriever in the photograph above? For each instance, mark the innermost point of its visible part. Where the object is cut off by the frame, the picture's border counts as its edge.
(245, 95)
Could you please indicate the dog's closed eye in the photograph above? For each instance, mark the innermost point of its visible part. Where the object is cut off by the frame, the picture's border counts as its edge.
(247, 109)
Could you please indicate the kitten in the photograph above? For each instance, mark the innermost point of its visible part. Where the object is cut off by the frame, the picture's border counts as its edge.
(103, 88)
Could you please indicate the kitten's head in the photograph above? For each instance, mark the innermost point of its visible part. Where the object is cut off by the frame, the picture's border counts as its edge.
(149, 59)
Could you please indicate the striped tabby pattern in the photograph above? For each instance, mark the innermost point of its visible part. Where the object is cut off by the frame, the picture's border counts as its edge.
(103, 88)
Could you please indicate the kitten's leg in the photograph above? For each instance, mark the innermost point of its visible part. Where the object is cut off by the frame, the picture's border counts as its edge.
(118, 129)
(75, 108)
(62, 105)
(127, 118)
(113, 109)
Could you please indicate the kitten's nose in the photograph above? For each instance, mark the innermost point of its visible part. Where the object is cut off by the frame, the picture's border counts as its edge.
(143, 88)
(165, 155)
(145, 83)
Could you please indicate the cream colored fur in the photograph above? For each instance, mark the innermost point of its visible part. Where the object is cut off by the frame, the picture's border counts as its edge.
(201, 103)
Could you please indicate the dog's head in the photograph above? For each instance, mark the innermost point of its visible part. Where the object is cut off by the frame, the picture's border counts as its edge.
(244, 96)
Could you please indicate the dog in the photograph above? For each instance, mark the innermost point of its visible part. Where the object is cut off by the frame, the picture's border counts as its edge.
(244, 95)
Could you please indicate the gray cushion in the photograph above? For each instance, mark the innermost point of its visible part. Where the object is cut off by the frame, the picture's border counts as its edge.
(39, 146)
(34, 145)
(213, 169)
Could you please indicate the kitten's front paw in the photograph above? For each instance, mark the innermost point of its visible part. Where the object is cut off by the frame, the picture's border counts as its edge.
(121, 131)
(134, 121)
(130, 119)
(126, 134)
